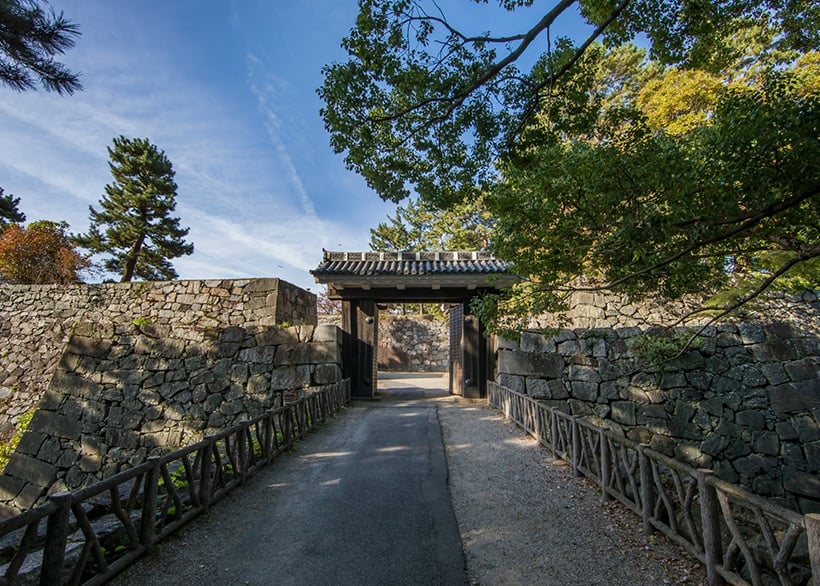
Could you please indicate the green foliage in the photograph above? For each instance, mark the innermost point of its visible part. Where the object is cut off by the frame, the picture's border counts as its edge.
(134, 225)
(423, 106)
(695, 171)
(680, 100)
(655, 348)
(30, 38)
(725, 203)
(420, 227)
(7, 448)
(141, 321)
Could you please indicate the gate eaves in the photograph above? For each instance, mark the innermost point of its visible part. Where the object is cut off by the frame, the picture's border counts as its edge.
(411, 276)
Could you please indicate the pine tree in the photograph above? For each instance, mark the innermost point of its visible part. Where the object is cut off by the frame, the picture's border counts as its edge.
(30, 37)
(9, 213)
(134, 225)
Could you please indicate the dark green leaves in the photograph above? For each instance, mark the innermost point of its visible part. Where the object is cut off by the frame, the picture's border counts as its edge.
(30, 38)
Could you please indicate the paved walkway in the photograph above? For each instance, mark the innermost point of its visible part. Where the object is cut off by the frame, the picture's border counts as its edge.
(367, 500)
(362, 501)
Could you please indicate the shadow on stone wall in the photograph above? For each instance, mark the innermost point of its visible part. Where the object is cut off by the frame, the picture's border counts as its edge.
(36, 320)
(121, 393)
(744, 401)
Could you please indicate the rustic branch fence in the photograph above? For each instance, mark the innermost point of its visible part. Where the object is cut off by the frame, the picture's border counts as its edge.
(90, 535)
(740, 537)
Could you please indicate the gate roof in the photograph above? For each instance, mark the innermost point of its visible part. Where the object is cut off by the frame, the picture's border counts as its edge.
(411, 275)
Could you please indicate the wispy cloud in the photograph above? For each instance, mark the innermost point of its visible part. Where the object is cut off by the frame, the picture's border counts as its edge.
(246, 156)
(263, 84)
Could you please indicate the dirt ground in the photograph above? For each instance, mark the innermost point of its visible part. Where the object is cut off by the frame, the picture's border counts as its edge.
(524, 519)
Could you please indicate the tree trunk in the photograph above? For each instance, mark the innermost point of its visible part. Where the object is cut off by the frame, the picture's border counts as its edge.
(131, 260)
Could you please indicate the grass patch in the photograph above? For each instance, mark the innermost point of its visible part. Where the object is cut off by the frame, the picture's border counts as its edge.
(7, 448)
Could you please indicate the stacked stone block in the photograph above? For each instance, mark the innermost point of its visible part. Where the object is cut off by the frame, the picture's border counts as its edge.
(123, 392)
(605, 309)
(36, 320)
(413, 344)
(744, 400)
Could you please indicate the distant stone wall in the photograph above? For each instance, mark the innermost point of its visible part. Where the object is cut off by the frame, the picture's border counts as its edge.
(36, 320)
(121, 393)
(413, 344)
(744, 401)
(604, 309)
(408, 343)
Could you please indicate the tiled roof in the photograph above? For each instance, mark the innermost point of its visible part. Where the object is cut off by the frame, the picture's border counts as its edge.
(367, 264)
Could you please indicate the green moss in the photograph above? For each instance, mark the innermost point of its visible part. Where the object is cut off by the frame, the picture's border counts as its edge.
(657, 348)
(7, 448)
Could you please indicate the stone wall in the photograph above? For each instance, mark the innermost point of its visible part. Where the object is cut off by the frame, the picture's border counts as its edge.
(413, 344)
(744, 401)
(604, 309)
(408, 343)
(36, 320)
(121, 393)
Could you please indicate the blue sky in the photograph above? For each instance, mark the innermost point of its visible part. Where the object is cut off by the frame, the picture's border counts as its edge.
(227, 90)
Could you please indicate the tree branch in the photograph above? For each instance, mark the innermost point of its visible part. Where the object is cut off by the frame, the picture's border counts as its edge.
(726, 310)
(459, 97)
(553, 77)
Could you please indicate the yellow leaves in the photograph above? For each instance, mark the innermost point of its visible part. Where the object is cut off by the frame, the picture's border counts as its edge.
(807, 71)
(680, 100)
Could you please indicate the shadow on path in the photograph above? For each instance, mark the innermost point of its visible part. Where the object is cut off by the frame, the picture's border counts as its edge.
(363, 501)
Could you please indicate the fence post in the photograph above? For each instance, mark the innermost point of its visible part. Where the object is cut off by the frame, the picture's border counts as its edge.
(813, 534)
(711, 527)
(554, 432)
(287, 424)
(51, 574)
(604, 466)
(576, 447)
(269, 437)
(243, 437)
(647, 489)
(205, 473)
(148, 522)
(538, 437)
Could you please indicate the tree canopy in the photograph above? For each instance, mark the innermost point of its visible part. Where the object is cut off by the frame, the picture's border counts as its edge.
(418, 226)
(692, 166)
(31, 36)
(40, 254)
(423, 105)
(134, 226)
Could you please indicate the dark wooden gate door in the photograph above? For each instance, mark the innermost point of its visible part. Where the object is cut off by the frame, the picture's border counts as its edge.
(360, 322)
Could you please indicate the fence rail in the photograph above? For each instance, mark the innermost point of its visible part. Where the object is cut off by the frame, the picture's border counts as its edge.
(90, 535)
(742, 538)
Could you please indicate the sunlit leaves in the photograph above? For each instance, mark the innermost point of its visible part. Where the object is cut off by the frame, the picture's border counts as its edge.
(680, 100)
(657, 212)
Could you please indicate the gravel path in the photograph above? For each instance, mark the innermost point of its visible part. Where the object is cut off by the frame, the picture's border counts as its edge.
(524, 519)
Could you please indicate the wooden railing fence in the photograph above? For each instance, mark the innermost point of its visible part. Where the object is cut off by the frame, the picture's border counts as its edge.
(740, 537)
(90, 535)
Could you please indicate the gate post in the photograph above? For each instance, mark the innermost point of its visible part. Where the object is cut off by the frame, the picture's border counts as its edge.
(360, 322)
(474, 347)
